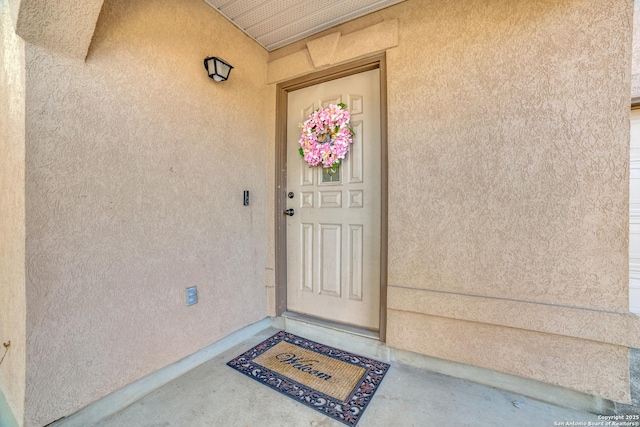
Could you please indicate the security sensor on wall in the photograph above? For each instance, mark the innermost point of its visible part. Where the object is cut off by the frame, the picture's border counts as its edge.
(217, 68)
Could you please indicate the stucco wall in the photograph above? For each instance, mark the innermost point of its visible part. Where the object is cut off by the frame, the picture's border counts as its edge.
(514, 163)
(517, 174)
(508, 185)
(12, 231)
(136, 164)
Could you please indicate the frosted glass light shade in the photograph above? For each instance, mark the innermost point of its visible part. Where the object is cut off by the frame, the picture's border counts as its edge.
(217, 68)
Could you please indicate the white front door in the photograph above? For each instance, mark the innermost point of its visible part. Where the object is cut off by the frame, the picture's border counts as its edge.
(333, 237)
(634, 215)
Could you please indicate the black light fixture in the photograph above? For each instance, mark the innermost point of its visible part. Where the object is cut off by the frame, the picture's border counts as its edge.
(217, 68)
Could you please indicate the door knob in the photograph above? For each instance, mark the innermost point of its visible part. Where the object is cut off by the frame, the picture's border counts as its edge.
(290, 195)
(289, 212)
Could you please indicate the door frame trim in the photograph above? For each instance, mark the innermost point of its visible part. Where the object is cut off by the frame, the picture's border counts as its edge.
(282, 92)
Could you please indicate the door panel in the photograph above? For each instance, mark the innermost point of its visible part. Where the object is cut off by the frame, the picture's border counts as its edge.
(333, 238)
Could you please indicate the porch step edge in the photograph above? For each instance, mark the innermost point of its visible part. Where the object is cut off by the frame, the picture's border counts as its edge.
(7, 418)
(131, 393)
(534, 389)
(544, 392)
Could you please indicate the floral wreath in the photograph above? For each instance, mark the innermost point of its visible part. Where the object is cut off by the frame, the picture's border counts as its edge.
(326, 136)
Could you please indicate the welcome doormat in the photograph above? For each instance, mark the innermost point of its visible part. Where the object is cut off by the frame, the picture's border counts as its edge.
(335, 382)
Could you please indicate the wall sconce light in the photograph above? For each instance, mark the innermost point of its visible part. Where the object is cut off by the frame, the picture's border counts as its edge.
(217, 68)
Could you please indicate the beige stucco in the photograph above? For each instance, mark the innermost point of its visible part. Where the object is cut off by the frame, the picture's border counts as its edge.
(508, 184)
(508, 189)
(332, 49)
(591, 367)
(594, 325)
(514, 163)
(137, 163)
(64, 26)
(12, 243)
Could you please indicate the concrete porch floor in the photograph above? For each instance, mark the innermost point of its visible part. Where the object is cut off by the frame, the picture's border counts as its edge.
(215, 395)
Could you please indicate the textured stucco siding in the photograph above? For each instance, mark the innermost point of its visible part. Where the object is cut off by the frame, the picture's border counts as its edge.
(508, 166)
(508, 157)
(508, 133)
(12, 228)
(635, 65)
(64, 26)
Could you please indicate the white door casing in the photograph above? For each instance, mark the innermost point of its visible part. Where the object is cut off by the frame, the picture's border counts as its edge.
(333, 238)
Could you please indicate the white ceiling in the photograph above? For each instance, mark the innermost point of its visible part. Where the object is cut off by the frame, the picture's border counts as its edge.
(277, 23)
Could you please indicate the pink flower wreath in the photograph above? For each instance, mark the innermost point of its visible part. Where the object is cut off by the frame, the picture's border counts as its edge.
(326, 136)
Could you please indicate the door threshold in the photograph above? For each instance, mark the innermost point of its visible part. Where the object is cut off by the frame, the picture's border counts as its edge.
(350, 329)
